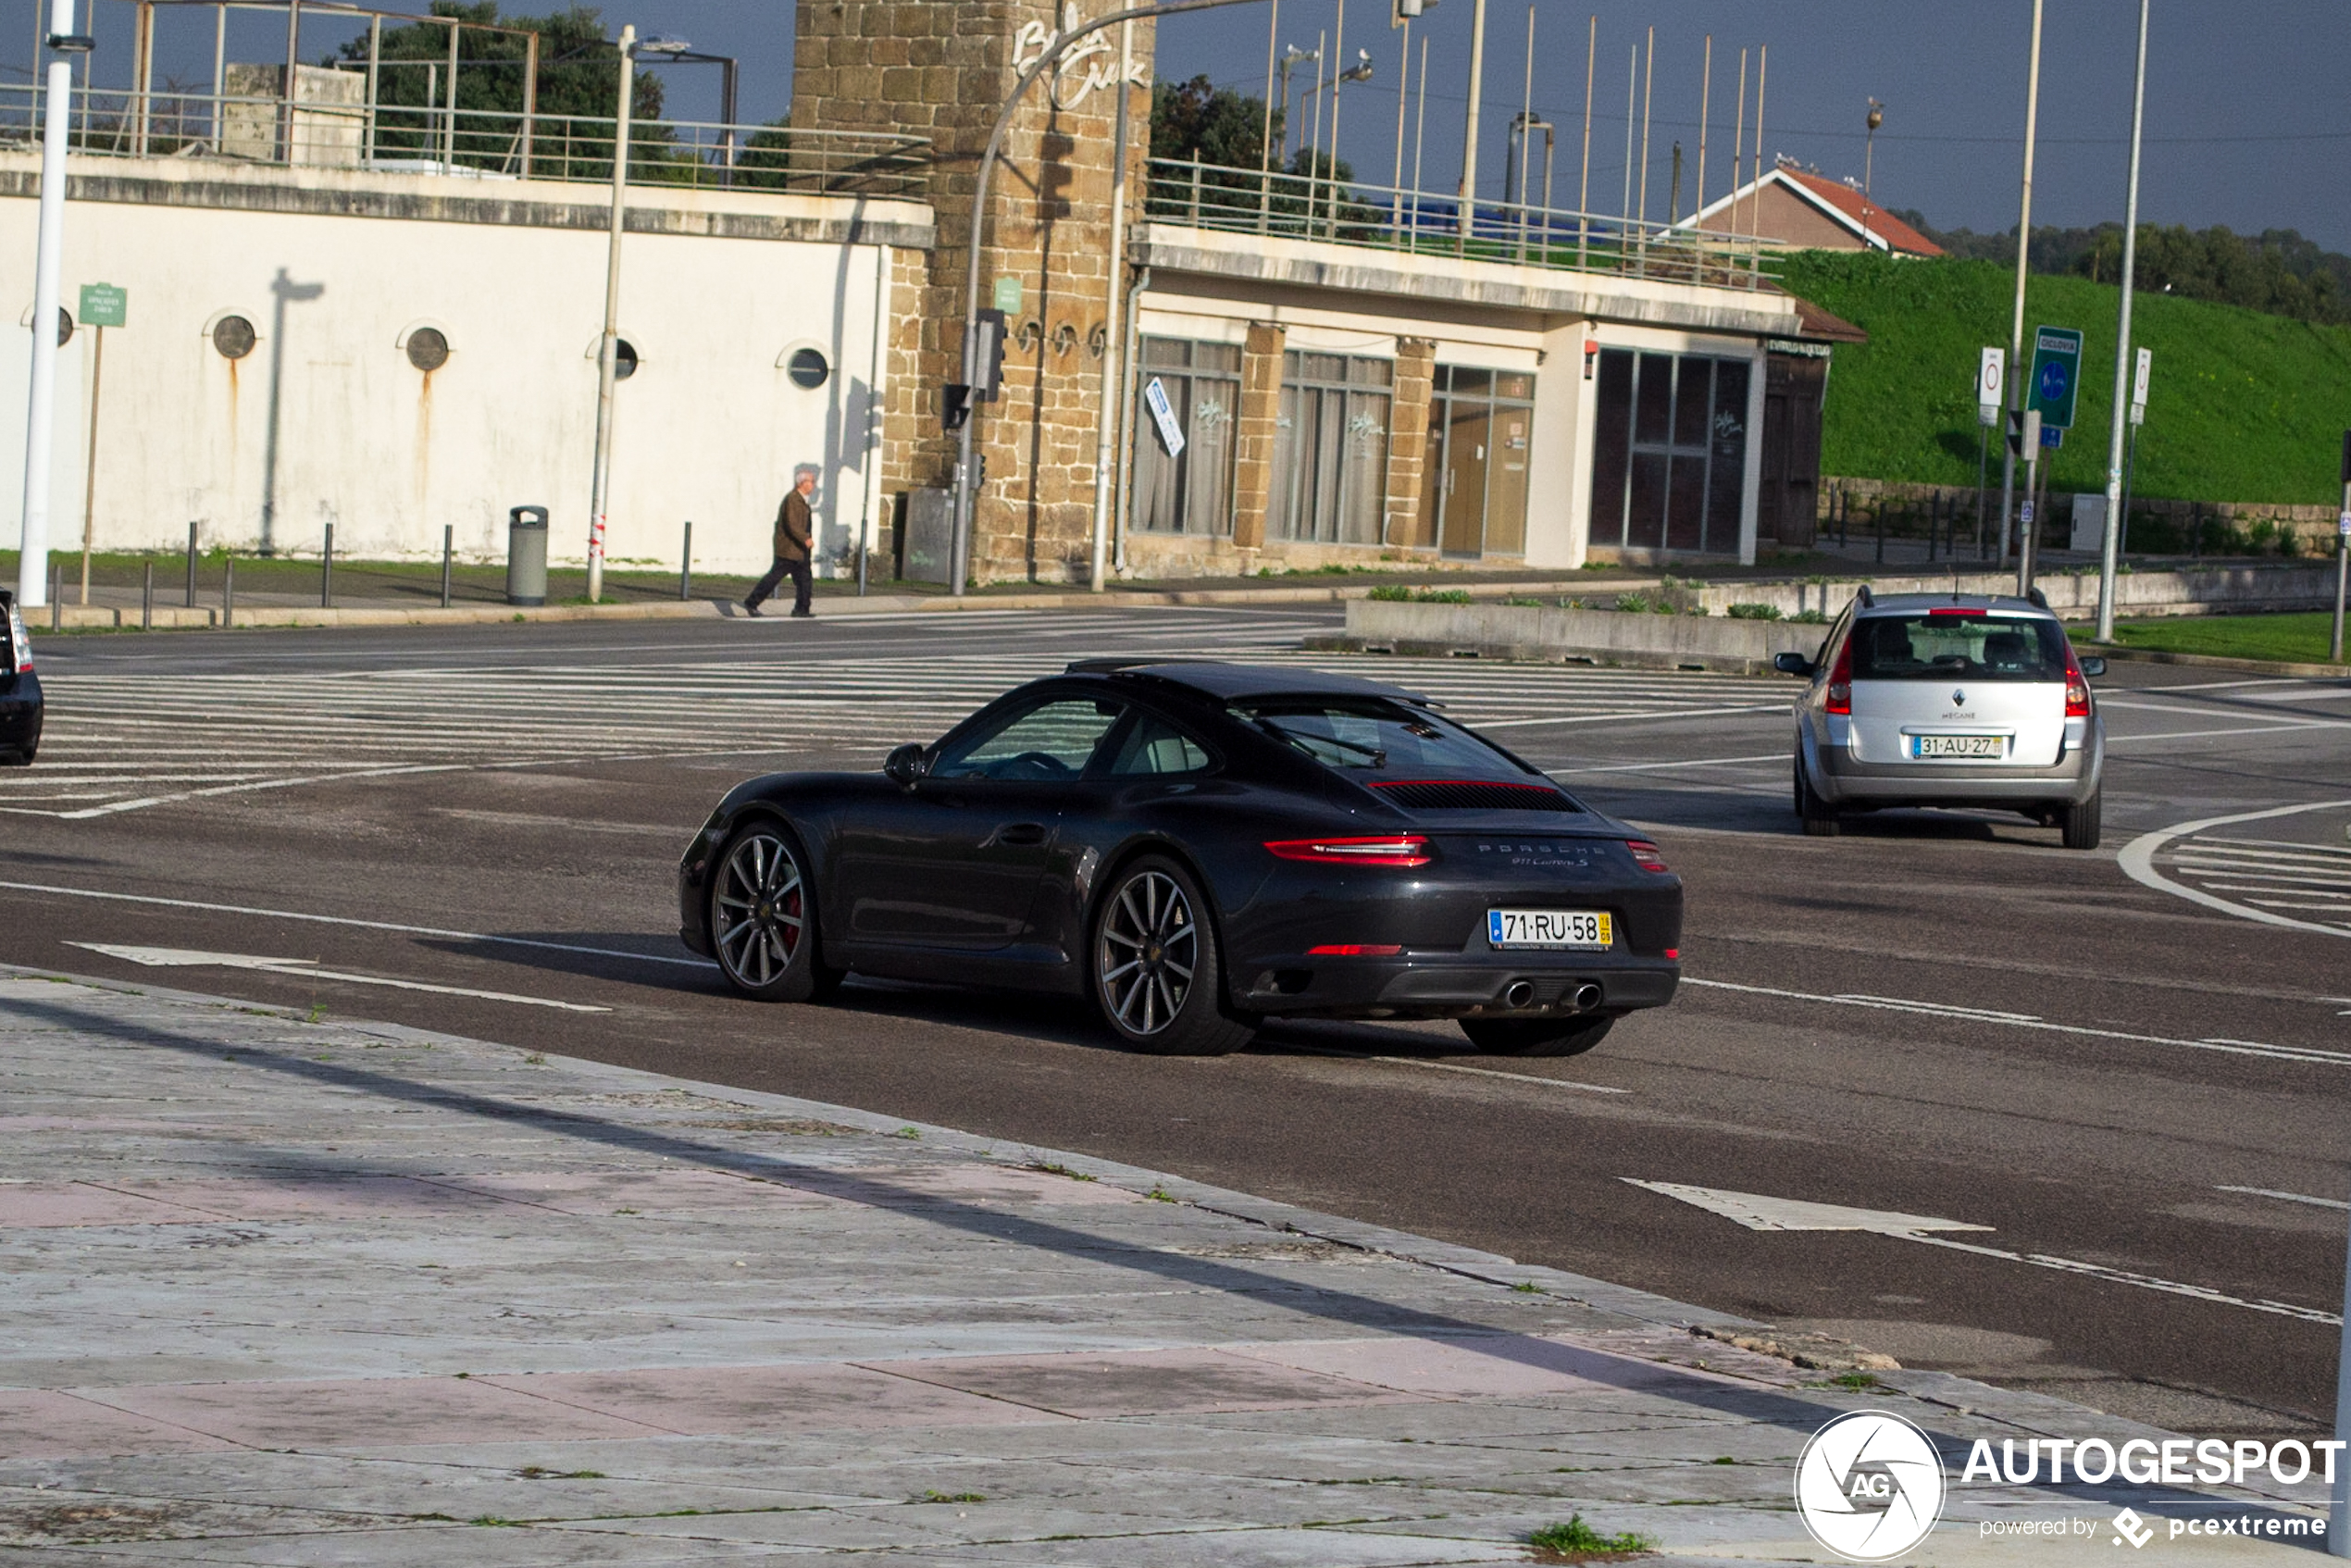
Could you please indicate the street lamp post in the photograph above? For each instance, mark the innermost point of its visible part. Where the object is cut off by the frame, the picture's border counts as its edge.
(2110, 547)
(2019, 385)
(607, 358)
(32, 558)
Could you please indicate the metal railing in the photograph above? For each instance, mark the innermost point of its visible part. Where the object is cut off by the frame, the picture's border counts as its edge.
(317, 132)
(1349, 212)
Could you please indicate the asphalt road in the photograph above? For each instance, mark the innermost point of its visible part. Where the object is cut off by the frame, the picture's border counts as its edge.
(2140, 1084)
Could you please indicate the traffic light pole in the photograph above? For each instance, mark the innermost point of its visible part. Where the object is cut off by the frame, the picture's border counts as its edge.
(2342, 554)
(1044, 63)
(32, 557)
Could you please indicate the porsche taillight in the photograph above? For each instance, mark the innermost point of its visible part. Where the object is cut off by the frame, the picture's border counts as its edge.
(1646, 855)
(15, 646)
(1841, 680)
(1388, 849)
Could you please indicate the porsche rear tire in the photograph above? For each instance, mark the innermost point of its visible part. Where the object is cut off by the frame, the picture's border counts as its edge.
(1156, 972)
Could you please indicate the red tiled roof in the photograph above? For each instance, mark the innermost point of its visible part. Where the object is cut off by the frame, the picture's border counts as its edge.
(1880, 222)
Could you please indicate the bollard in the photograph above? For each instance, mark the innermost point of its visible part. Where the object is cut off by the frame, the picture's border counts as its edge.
(326, 570)
(191, 566)
(686, 564)
(147, 600)
(448, 547)
(227, 593)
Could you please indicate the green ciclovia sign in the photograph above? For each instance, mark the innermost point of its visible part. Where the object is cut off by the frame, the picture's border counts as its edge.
(104, 304)
(2056, 378)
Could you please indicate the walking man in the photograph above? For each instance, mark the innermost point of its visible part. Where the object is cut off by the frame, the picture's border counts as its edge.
(794, 530)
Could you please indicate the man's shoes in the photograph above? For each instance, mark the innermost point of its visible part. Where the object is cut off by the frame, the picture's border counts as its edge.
(797, 614)
(751, 609)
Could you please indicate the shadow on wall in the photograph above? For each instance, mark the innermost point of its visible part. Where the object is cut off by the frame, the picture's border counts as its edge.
(285, 291)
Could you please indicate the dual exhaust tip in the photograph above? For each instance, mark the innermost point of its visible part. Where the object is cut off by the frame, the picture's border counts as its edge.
(1521, 993)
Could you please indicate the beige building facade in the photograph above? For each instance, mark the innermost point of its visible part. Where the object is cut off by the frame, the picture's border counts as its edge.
(1304, 379)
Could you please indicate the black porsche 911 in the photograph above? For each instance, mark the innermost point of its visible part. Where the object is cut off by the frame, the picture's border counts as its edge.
(20, 700)
(1198, 847)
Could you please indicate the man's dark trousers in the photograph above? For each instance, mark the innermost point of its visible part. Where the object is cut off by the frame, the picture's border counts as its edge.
(795, 568)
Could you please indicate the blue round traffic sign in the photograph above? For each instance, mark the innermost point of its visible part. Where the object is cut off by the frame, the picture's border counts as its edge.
(2053, 381)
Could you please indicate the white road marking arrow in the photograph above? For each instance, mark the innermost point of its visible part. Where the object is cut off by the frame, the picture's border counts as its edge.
(304, 968)
(1758, 1213)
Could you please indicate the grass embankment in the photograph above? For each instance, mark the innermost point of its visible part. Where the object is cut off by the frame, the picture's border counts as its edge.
(2298, 638)
(2243, 406)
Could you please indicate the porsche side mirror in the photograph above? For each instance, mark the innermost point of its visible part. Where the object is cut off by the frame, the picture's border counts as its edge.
(2093, 667)
(1792, 664)
(907, 765)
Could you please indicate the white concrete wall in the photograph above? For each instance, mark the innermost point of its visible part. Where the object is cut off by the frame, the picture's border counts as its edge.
(326, 420)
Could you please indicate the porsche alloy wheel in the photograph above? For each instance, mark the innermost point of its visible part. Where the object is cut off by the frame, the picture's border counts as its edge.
(762, 927)
(1155, 965)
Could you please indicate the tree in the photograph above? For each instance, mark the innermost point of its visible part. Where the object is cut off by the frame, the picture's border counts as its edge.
(1227, 129)
(578, 82)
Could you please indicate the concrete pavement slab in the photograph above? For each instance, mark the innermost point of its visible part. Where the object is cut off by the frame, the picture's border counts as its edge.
(281, 1291)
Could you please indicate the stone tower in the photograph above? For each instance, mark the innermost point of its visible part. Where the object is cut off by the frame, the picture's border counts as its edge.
(944, 68)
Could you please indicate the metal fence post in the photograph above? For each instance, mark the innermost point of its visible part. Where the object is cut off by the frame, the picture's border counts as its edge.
(686, 564)
(191, 566)
(326, 570)
(227, 593)
(57, 598)
(448, 544)
(147, 600)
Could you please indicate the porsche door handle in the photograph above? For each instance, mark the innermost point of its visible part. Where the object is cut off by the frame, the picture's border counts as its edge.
(1021, 833)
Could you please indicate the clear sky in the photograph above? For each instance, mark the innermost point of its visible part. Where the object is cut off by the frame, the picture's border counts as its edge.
(2246, 101)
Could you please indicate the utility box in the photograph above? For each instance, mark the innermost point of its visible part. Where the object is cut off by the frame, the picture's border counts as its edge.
(2089, 524)
(929, 552)
(527, 555)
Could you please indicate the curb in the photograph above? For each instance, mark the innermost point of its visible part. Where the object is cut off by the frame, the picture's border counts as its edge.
(73, 617)
(2217, 661)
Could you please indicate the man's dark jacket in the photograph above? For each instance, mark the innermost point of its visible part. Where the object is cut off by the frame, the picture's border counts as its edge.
(792, 522)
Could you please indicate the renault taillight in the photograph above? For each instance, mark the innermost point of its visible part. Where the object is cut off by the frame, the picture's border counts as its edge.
(1841, 680)
(2077, 689)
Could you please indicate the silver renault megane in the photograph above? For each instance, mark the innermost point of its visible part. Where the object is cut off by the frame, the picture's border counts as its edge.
(1950, 699)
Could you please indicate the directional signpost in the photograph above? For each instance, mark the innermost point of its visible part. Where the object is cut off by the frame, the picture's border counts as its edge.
(103, 305)
(2057, 377)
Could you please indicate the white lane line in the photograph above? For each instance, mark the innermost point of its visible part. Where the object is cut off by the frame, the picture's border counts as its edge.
(2023, 1021)
(2247, 729)
(2137, 861)
(1652, 713)
(2287, 1197)
(345, 920)
(1757, 1211)
(1663, 766)
(307, 969)
(1459, 1067)
(2276, 844)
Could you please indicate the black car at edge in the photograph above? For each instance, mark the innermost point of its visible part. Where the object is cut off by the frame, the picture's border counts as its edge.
(20, 700)
(1197, 847)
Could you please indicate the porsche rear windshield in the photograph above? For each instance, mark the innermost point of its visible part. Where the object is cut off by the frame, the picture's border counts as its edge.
(1953, 647)
(1366, 734)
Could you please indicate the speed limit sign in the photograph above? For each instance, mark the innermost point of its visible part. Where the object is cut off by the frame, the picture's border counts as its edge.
(1990, 385)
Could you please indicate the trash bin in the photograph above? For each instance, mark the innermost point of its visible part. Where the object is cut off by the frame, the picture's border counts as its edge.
(527, 555)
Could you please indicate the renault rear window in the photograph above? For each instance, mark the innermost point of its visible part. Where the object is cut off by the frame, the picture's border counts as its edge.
(1948, 646)
(1369, 735)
